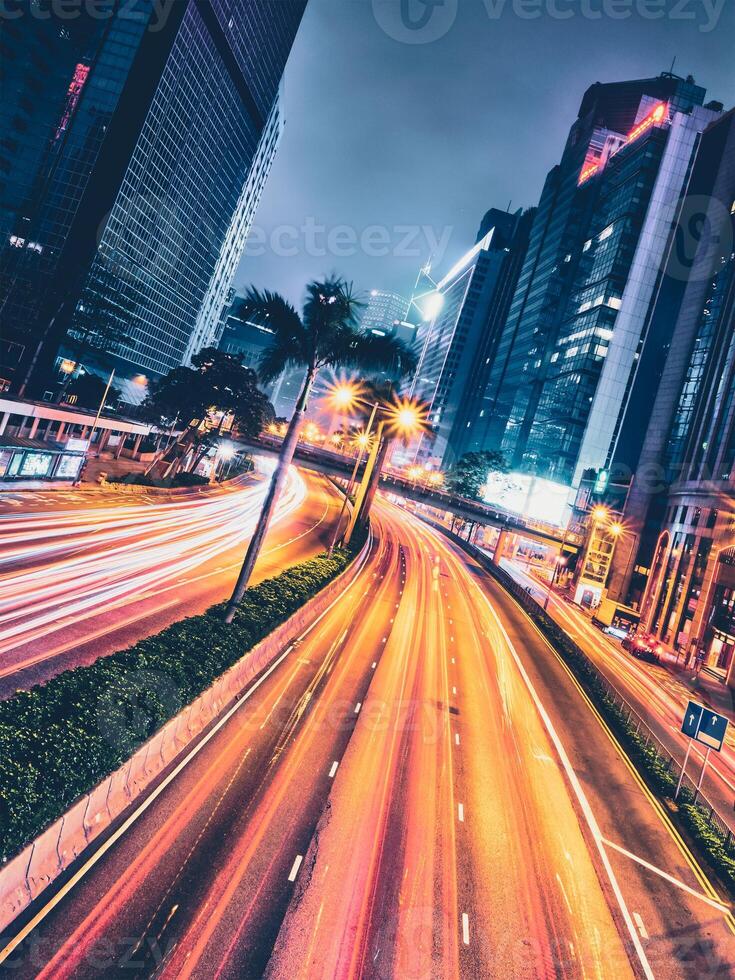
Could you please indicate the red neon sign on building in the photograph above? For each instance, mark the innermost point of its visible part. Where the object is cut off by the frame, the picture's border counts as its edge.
(658, 115)
(654, 118)
(72, 96)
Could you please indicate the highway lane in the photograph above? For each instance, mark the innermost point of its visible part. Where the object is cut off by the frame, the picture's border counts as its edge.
(86, 574)
(451, 846)
(474, 853)
(653, 691)
(422, 786)
(203, 874)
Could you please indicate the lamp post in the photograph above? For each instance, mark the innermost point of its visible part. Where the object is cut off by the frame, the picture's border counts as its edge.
(405, 417)
(362, 446)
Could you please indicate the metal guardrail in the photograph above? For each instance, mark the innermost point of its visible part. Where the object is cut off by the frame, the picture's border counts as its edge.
(688, 793)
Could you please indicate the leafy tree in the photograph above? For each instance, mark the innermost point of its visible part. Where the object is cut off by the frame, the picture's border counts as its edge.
(469, 474)
(217, 383)
(324, 335)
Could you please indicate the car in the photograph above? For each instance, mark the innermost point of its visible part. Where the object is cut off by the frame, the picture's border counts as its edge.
(643, 647)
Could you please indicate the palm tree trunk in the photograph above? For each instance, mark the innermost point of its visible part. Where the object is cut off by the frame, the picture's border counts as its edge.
(274, 491)
(374, 481)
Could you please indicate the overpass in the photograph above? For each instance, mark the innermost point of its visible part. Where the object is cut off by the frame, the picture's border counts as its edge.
(337, 465)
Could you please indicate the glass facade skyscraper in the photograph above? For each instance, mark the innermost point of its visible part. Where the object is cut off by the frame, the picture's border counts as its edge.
(171, 120)
(474, 297)
(601, 220)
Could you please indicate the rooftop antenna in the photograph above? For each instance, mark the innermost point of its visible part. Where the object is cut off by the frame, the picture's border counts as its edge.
(509, 204)
(671, 70)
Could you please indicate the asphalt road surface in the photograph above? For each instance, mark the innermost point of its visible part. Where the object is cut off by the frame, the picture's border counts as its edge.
(417, 788)
(84, 574)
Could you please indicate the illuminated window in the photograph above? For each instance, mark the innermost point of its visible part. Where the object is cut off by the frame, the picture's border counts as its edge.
(36, 464)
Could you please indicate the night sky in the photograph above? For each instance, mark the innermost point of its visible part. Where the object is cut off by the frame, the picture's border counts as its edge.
(382, 134)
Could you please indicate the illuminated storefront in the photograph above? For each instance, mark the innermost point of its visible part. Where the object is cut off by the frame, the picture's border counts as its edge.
(30, 459)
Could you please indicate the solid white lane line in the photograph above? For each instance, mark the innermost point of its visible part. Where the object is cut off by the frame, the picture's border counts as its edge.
(333, 770)
(589, 816)
(641, 927)
(668, 877)
(460, 812)
(465, 929)
(295, 867)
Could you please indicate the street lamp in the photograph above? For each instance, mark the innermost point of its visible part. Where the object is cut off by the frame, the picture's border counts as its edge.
(404, 417)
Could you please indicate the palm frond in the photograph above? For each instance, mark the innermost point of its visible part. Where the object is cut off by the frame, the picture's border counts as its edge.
(289, 339)
(372, 353)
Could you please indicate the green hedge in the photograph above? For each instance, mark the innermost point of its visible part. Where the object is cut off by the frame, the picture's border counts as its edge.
(58, 740)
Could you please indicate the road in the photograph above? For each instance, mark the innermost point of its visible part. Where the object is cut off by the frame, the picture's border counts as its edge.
(85, 574)
(416, 789)
(657, 694)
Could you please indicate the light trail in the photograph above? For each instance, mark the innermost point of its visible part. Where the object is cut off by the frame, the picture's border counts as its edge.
(61, 568)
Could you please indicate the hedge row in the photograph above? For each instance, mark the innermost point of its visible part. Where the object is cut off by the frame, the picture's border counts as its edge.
(649, 762)
(58, 740)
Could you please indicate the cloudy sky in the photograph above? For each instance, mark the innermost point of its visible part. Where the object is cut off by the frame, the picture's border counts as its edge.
(399, 136)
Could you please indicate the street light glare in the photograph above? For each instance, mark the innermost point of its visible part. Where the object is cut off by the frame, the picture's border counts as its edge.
(600, 513)
(344, 395)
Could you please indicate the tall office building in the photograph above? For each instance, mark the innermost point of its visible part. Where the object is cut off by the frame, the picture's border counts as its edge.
(383, 310)
(251, 340)
(134, 151)
(566, 363)
(471, 302)
(678, 544)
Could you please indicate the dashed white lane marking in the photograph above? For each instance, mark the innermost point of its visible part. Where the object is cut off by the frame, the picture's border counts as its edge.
(454, 690)
(357, 707)
(295, 867)
(465, 929)
(374, 665)
(460, 812)
(333, 770)
(456, 738)
(641, 927)
(453, 661)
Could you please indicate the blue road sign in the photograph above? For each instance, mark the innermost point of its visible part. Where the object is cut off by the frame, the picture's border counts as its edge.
(704, 725)
(692, 718)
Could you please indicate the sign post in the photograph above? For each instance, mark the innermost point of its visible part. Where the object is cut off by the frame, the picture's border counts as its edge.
(705, 726)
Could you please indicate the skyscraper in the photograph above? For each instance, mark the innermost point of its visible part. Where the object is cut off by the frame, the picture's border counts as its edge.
(383, 310)
(132, 182)
(470, 304)
(677, 545)
(566, 362)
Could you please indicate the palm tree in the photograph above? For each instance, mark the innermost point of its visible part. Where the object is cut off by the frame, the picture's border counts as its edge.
(325, 335)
